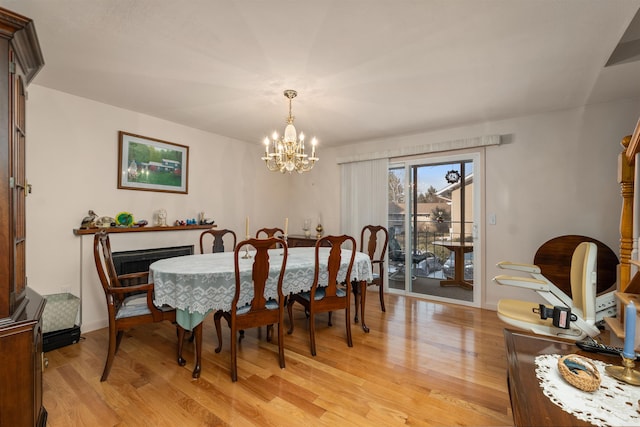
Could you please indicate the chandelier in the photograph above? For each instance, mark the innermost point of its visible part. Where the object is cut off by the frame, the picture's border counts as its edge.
(288, 153)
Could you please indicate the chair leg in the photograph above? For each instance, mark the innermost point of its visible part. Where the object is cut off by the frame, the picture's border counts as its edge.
(114, 339)
(348, 323)
(280, 343)
(180, 331)
(312, 332)
(382, 294)
(234, 360)
(330, 315)
(290, 311)
(118, 340)
(356, 295)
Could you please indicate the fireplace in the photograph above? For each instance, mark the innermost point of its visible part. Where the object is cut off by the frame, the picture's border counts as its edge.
(139, 260)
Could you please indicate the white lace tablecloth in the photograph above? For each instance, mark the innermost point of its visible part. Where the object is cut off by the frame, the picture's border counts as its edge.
(199, 284)
(615, 403)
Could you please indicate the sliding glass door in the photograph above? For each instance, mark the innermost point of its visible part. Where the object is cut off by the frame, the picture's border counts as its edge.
(433, 228)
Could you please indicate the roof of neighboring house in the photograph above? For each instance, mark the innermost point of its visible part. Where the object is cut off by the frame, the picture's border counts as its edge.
(451, 187)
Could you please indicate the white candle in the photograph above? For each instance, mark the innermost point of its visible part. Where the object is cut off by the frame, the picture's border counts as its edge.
(246, 227)
(629, 331)
(286, 226)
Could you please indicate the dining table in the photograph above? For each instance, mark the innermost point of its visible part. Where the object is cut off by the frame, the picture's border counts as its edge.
(197, 285)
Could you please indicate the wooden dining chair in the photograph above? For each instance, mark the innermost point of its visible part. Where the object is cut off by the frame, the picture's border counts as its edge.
(219, 237)
(262, 310)
(127, 306)
(269, 232)
(376, 238)
(330, 295)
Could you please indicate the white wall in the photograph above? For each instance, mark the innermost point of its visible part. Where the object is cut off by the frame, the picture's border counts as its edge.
(554, 174)
(72, 157)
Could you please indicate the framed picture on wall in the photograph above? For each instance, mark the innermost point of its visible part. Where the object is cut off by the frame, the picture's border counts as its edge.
(150, 164)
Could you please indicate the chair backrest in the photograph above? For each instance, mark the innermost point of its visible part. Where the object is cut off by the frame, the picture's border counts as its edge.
(583, 279)
(371, 234)
(396, 253)
(218, 239)
(335, 243)
(104, 261)
(269, 232)
(262, 261)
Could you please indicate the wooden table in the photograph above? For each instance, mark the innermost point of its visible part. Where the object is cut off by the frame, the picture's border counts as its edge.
(459, 249)
(299, 241)
(529, 404)
(197, 285)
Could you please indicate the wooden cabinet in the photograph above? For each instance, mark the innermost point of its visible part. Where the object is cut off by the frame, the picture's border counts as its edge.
(20, 307)
(294, 241)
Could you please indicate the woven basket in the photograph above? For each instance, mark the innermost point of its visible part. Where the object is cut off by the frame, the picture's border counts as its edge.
(580, 372)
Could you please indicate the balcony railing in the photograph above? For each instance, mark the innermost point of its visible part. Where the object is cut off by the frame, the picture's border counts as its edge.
(429, 231)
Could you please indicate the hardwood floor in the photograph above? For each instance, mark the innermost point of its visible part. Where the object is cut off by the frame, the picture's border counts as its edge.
(422, 364)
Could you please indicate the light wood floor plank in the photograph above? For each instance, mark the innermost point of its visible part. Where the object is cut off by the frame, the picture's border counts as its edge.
(422, 364)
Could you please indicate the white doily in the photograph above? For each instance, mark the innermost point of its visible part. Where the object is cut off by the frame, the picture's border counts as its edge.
(615, 403)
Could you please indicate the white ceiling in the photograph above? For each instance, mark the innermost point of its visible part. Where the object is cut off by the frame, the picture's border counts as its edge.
(363, 69)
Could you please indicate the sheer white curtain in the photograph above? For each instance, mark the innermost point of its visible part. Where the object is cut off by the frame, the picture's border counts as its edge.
(365, 187)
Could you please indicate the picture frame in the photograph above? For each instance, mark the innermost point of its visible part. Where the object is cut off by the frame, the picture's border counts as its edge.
(150, 164)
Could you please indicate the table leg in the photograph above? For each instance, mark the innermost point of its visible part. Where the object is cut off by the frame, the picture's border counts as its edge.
(458, 271)
(355, 288)
(181, 361)
(362, 285)
(198, 333)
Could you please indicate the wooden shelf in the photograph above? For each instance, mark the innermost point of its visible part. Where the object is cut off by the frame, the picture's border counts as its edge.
(82, 232)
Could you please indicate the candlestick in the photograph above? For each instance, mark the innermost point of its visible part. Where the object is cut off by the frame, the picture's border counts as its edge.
(286, 226)
(629, 350)
(625, 372)
(246, 252)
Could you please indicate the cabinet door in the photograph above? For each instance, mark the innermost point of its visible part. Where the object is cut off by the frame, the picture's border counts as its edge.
(17, 172)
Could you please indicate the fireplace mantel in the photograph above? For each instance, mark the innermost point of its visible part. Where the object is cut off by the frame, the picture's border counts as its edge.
(93, 313)
(82, 232)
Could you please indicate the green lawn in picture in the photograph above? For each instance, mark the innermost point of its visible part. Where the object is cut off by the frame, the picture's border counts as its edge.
(158, 178)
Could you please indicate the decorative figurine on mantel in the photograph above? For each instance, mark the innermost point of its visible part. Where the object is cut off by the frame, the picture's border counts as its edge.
(319, 231)
(105, 222)
(89, 221)
(204, 219)
(161, 218)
